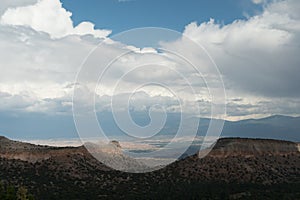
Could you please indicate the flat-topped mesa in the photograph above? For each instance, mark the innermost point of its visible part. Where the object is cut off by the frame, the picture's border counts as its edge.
(225, 147)
(10, 149)
(10, 145)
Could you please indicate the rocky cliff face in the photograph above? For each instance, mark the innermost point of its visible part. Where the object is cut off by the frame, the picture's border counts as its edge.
(224, 147)
(33, 153)
(110, 153)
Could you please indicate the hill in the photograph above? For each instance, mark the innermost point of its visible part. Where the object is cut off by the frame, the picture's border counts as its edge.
(236, 168)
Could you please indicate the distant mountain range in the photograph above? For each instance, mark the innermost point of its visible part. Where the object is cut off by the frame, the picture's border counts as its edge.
(235, 168)
(40, 126)
(275, 127)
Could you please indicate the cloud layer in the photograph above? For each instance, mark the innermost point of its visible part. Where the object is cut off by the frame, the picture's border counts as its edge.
(258, 55)
(50, 17)
(41, 52)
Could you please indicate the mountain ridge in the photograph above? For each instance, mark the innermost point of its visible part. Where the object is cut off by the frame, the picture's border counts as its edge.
(283, 128)
(226, 172)
(223, 146)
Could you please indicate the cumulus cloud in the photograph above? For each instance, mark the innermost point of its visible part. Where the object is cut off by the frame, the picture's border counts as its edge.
(50, 17)
(41, 52)
(5, 4)
(36, 69)
(258, 55)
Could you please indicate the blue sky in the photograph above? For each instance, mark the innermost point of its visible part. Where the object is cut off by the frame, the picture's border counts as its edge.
(42, 48)
(119, 16)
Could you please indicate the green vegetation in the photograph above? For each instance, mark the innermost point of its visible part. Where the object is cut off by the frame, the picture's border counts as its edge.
(223, 191)
(9, 192)
(74, 174)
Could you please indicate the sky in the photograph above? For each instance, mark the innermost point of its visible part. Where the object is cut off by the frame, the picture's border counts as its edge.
(118, 15)
(254, 44)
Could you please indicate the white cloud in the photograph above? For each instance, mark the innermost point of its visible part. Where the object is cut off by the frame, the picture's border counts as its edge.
(35, 69)
(258, 55)
(5, 4)
(85, 28)
(258, 59)
(50, 17)
(258, 1)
